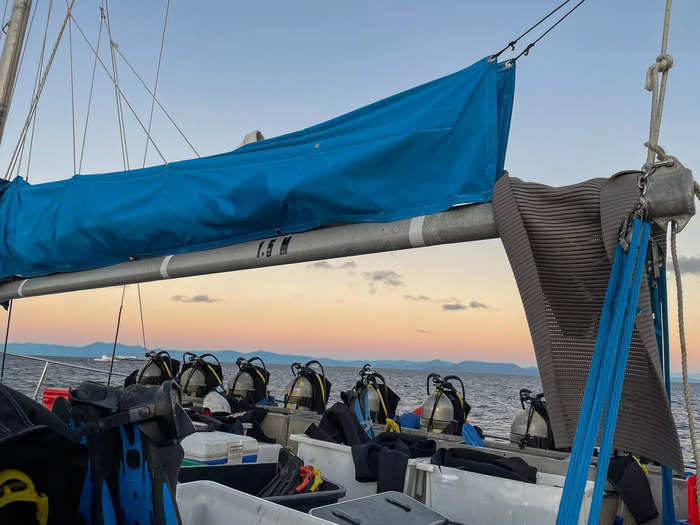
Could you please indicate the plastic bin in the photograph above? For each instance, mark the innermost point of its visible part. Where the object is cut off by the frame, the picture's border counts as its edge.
(209, 503)
(251, 478)
(336, 462)
(218, 448)
(470, 497)
(380, 509)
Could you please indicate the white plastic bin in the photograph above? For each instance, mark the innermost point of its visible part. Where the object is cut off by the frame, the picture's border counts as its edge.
(268, 452)
(469, 497)
(218, 448)
(208, 503)
(335, 462)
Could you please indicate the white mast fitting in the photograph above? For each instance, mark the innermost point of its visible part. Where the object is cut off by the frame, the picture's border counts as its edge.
(11, 52)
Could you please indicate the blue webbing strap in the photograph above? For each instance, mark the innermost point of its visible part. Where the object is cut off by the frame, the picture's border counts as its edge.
(657, 287)
(614, 333)
(613, 397)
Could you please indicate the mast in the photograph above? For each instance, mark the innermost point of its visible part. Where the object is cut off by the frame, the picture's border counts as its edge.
(11, 51)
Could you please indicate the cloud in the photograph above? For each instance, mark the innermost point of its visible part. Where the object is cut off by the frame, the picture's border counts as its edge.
(386, 277)
(477, 304)
(201, 298)
(688, 264)
(422, 331)
(420, 297)
(453, 306)
(325, 265)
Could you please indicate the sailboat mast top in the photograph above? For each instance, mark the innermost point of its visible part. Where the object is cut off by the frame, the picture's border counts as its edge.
(11, 52)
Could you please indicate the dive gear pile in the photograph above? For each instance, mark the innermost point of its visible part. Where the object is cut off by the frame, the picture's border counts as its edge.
(530, 427)
(200, 375)
(308, 390)
(251, 380)
(445, 410)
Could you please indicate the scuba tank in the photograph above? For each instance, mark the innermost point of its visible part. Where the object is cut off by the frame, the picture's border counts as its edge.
(531, 427)
(445, 410)
(199, 376)
(251, 381)
(159, 367)
(381, 400)
(308, 390)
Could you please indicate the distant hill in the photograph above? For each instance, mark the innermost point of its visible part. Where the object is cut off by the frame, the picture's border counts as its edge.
(98, 349)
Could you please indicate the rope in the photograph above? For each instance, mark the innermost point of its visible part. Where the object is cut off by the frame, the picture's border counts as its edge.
(684, 350)
(7, 335)
(512, 43)
(170, 118)
(661, 65)
(117, 90)
(116, 335)
(72, 91)
(35, 100)
(155, 85)
(36, 84)
(109, 75)
(532, 44)
(92, 86)
(143, 330)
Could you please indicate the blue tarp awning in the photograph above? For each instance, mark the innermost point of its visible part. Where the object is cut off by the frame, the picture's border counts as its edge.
(420, 151)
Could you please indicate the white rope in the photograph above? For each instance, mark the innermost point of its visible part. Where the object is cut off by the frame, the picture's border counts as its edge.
(117, 90)
(72, 91)
(663, 63)
(684, 350)
(123, 96)
(92, 87)
(143, 329)
(35, 100)
(155, 85)
(162, 108)
(36, 84)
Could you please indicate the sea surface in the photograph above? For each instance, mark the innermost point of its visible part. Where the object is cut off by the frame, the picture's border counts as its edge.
(494, 398)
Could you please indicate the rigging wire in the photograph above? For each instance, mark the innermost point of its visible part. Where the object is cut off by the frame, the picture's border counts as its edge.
(143, 329)
(155, 85)
(92, 87)
(36, 84)
(117, 90)
(72, 92)
(165, 111)
(532, 44)
(512, 43)
(7, 335)
(35, 100)
(123, 96)
(116, 335)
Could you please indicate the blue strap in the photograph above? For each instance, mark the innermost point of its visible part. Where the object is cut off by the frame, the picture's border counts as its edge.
(613, 398)
(659, 304)
(606, 374)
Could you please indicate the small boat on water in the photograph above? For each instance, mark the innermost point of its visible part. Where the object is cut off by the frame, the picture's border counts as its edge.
(109, 358)
(172, 445)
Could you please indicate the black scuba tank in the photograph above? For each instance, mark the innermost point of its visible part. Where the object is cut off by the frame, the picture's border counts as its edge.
(445, 410)
(309, 389)
(200, 375)
(531, 426)
(381, 400)
(251, 380)
(159, 367)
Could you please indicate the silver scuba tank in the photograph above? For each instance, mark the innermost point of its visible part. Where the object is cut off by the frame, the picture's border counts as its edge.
(370, 382)
(194, 381)
(157, 368)
(529, 428)
(438, 412)
(243, 383)
(300, 391)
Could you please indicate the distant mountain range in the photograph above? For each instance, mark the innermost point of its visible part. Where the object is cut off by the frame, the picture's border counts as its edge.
(99, 349)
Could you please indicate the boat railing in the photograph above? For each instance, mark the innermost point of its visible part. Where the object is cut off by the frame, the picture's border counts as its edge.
(47, 362)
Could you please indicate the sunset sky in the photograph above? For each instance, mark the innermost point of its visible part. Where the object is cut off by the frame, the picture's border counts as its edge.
(228, 68)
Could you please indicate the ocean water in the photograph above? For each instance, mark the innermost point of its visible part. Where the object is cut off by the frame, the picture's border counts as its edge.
(494, 398)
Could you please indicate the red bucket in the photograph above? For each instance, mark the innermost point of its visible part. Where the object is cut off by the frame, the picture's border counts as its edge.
(52, 393)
